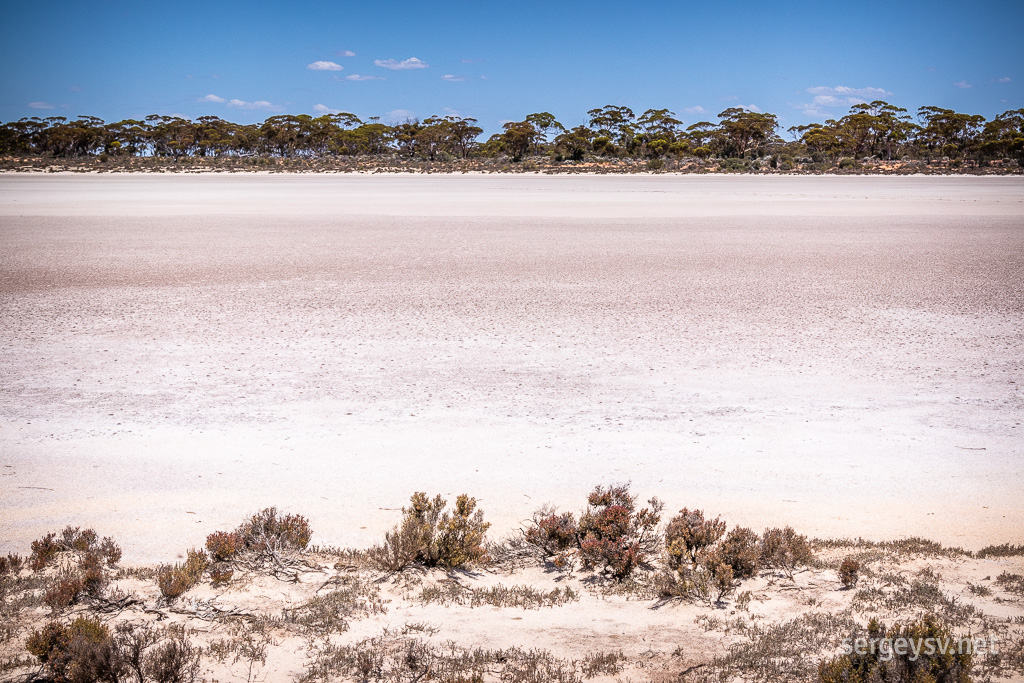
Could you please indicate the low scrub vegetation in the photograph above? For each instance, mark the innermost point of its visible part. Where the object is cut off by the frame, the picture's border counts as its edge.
(612, 535)
(431, 536)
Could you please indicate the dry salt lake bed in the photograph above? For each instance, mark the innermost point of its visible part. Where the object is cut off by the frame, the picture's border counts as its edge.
(843, 354)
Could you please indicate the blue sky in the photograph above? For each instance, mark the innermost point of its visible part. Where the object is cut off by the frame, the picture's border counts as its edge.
(499, 61)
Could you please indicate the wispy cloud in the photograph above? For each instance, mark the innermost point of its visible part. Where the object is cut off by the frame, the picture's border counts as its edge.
(470, 61)
(751, 107)
(826, 97)
(729, 98)
(78, 88)
(1004, 79)
(452, 78)
(963, 84)
(212, 98)
(324, 109)
(394, 65)
(324, 66)
(345, 53)
(40, 105)
(400, 114)
(360, 77)
(695, 110)
(258, 104)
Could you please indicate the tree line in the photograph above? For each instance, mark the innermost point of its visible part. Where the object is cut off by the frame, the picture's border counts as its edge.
(877, 130)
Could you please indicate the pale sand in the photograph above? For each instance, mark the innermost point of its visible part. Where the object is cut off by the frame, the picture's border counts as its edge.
(823, 352)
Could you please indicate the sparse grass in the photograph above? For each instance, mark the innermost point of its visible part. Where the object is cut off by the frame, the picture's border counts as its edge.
(785, 651)
(1012, 583)
(403, 659)
(1004, 550)
(331, 612)
(918, 598)
(527, 597)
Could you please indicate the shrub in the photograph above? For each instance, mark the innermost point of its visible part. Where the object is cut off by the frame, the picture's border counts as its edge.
(79, 652)
(849, 572)
(173, 581)
(224, 545)
(614, 536)
(73, 539)
(176, 661)
(552, 532)
(741, 551)
(11, 564)
(688, 533)
(921, 660)
(269, 532)
(221, 573)
(62, 591)
(785, 550)
(433, 537)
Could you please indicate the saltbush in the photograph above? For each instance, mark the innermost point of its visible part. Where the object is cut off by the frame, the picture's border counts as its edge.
(785, 550)
(919, 661)
(849, 572)
(433, 537)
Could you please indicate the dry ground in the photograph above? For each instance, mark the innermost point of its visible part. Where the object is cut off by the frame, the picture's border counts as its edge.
(840, 354)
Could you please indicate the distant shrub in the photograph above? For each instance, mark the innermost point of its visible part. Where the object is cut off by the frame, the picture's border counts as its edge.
(849, 572)
(919, 660)
(11, 564)
(221, 573)
(742, 552)
(552, 532)
(614, 536)
(430, 536)
(786, 550)
(270, 532)
(224, 545)
(688, 533)
(73, 540)
(174, 581)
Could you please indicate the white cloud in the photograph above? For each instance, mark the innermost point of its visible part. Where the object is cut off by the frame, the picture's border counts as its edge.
(470, 61)
(695, 110)
(751, 107)
(1004, 79)
(963, 84)
(411, 63)
(324, 109)
(40, 105)
(729, 98)
(451, 78)
(78, 88)
(212, 98)
(848, 92)
(399, 114)
(345, 53)
(258, 104)
(359, 77)
(324, 66)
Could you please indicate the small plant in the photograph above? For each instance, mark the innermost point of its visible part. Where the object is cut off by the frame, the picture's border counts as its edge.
(741, 550)
(71, 653)
(224, 545)
(433, 537)
(11, 564)
(73, 540)
(849, 573)
(785, 550)
(552, 532)
(175, 661)
(174, 581)
(270, 532)
(688, 534)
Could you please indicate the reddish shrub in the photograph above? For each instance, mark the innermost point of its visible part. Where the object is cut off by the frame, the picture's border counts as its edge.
(688, 533)
(224, 545)
(849, 572)
(614, 535)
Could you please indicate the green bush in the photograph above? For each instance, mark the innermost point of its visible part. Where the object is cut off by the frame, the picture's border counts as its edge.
(430, 536)
(785, 550)
(173, 581)
(919, 661)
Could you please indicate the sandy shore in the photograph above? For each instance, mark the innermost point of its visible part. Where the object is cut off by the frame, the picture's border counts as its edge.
(840, 354)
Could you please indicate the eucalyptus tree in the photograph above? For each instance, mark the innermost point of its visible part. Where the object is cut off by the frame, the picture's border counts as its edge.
(745, 131)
